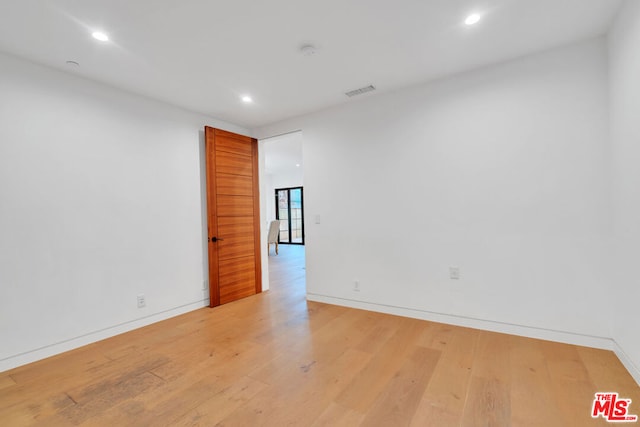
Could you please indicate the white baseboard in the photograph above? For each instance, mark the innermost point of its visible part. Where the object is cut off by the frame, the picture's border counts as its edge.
(469, 322)
(70, 344)
(526, 331)
(489, 325)
(633, 369)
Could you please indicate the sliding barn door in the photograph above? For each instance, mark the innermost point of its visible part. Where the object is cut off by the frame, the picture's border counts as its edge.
(233, 214)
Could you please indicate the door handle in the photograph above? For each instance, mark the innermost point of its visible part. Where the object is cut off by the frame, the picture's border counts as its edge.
(215, 239)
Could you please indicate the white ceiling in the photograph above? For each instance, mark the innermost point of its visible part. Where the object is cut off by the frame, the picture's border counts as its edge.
(203, 54)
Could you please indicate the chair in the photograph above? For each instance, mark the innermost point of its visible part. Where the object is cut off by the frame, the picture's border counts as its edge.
(274, 232)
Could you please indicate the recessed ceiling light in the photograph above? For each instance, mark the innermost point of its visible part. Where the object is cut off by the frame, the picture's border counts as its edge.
(472, 19)
(247, 99)
(99, 35)
(297, 165)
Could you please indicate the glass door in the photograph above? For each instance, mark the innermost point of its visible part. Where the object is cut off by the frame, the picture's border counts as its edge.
(289, 210)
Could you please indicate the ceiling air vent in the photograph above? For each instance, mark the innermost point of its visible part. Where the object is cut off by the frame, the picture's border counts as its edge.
(360, 91)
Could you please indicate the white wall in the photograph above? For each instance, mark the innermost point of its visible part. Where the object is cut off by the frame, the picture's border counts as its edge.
(500, 172)
(101, 198)
(624, 40)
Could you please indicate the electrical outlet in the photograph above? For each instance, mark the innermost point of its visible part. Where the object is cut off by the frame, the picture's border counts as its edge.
(142, 302)
(454, 273)
(204, 285)
(356, 286)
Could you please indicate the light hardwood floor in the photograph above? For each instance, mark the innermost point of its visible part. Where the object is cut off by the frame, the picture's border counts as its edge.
(277, 360)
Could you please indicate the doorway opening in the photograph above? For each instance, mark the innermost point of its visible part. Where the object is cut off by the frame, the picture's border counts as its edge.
(290, 211)
(283, 200)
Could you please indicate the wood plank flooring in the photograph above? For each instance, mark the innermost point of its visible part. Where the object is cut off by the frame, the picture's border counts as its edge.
(277, 360)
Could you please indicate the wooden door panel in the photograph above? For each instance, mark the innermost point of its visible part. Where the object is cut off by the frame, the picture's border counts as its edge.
(232, 143)
(236, 225)
(238, 234)
(238, 185)
(231, 294)
(241, 247)
(237, 278)
(234, 206)
(233, 164)
(233, 216)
